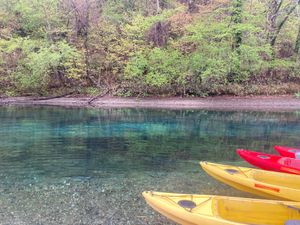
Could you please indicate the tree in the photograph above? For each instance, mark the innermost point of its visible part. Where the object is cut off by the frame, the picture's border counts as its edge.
(297, 45)
(158, 9)
(236, 17)
(278, 16)
(146, 46)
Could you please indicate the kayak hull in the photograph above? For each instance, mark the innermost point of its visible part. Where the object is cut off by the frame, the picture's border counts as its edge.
(271, 162)
(287, 151)
(221, 210)
(273, 185)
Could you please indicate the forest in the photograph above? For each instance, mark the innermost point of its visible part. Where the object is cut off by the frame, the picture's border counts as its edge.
(149, 47)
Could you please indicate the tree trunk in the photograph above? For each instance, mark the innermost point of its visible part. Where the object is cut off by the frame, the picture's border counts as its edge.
(281, 24)
(273, 9)
(297, 46)
(158, 9)
(237, 20)
(86, 41)
(192, 8)
(48, 26)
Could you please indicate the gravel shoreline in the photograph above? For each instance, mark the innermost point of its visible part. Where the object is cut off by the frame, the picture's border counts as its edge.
(257, 103)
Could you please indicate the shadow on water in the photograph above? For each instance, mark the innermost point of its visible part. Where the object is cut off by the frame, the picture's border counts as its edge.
(109, 150)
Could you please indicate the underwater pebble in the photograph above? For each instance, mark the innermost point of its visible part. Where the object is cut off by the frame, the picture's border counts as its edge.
(105, 201)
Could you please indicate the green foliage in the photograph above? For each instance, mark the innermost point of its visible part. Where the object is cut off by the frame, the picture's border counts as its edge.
(92, 91)
(157, 68)
(100, 45)
(139, 25)
(10, 93)
(215, 56)
(38, 61)
(297, 95)
(37, 17)
(9, 46)
(136, 67)
(122, 11)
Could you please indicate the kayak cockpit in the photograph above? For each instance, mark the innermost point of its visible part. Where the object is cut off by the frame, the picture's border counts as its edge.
(256, 212)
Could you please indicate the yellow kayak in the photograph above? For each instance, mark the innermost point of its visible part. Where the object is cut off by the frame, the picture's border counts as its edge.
(264, 183)
(220, 210)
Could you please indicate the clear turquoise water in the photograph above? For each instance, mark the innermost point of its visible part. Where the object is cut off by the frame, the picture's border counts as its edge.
(122, 150)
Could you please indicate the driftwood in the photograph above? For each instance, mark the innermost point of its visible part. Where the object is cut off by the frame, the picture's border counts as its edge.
(96, 97)
(53, 97)
(112, 90)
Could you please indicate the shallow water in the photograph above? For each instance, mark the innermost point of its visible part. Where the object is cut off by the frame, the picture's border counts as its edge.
(89, 166)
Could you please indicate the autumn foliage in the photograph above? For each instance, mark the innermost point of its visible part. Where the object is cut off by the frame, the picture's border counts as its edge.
(154, 47)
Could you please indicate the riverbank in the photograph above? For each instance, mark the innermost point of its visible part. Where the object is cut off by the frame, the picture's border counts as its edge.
(257, 103)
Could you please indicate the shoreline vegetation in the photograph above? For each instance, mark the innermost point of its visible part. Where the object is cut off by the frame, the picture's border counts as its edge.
(141, 48)
(253, 103)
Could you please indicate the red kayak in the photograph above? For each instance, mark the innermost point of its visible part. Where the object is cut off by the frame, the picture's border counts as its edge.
(271, 162)
(288, 151)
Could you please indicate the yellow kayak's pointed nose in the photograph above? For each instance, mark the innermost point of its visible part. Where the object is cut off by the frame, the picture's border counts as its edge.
(202, 163)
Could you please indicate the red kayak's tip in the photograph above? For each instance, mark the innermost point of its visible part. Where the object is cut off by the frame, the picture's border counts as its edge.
(241, 150)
